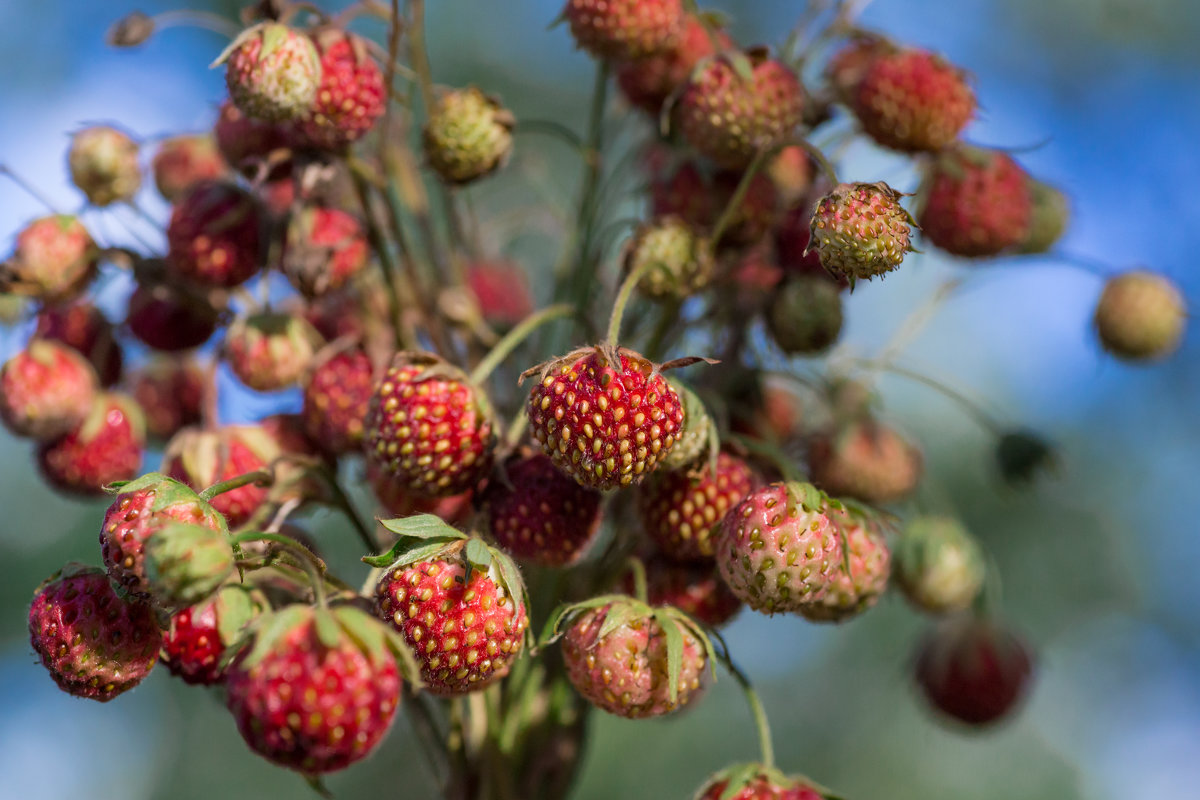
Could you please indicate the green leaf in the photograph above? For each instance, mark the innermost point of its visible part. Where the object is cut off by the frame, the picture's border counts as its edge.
(368, 633)
(406, 551)
(328, 630)
(670, 628)
(317, 784)
(145, 481)
(422, 526)
(478, 555)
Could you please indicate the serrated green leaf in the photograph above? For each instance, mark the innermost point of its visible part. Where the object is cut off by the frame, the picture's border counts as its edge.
(406, 552)
(670, 628)
(478, 555)
(422, 526)
(328, 630)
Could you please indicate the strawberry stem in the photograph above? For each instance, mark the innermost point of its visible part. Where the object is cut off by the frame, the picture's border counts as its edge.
(761, 724)
(739, 194)
(513, 339)
(638, 570)
(623, 295)
(262, 477)
(310, 562)
(818, 156)
(973, 409)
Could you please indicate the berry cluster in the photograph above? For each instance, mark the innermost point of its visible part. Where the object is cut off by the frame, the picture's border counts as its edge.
(624, 512)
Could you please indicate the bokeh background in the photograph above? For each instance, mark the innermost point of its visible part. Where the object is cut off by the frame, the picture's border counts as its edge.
(1099, 563)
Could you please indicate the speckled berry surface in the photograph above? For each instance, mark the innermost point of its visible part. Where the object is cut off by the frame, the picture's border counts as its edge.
(682, 511)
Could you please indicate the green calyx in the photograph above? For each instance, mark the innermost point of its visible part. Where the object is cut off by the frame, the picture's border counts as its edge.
(186, 563)
(698, 432)
(738, 777)
(168, 493)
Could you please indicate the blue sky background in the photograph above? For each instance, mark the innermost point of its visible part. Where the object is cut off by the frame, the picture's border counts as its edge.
(1099, 563)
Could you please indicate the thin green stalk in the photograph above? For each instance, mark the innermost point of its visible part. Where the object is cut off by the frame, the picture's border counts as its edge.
(623, 295)
(312, 565)
(391, 273)
(513, 339)
(668, 315)
(973, 409)
(261, 476)
(393, 52)
(343, 502)
(638, 570)
(761, 724)
(739, 194)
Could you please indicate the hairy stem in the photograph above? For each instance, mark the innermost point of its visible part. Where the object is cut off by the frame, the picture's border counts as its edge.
(513, 339)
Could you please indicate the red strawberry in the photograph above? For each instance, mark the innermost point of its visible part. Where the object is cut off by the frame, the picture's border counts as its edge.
(93, 643)
(682, 511)
(464, 621)
(54, 257)
(849, 65)
(337, 398)
(427, 429)
(399, 502)
(351, 96)
(272, 72)
(649, 81)
(82, 326)
(625, 669)
(855, 591)
(104, 165)
(502, 290)
(977, 203)
(198, 635)
(314, 690)
(172, 395)
(867, 461)
(142, 508)
(913, 101)
(605, 419)
(696, 589)
(324, 250)
(270, 351)
(756, 782)
(105, 447)
(729, 118)
(170, 318)
(778, 549)
(793, 173)
(46, 390)
(215, 235)
(974, 670)
(183, 161)
(687, 194)
(245, 141)
(203, 458)
(620, 30)
(540, 515)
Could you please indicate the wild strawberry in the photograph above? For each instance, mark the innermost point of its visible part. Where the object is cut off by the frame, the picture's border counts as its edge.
(1049, 214)
(792, 172)
(606, 419)
(1140, 316)
(756, 782)
(867, 461)
(618, 656)
(538, 514)
(648, 81)
(143, 507)
(860, 230)
(104, 165)
(46, 390)
(272, 72)
(244, 141)
(203, 458)
(172, 395)
(337, 398)
(93, 643)
(939, 565)
(215, 236)
(270, 351)
(730, 119)
(468, 136)
(778, 549)
(400, 502)
(197, 636)
(913, 101)
(54, 258)
(977, 202)
(849, 65)
(183, 161)
(974, 670)
(682, 511)
(314, 690)
(461, 609)
(427, 428)
(805, 315)
(856, 590)
(502, 291)
(622, 30)
(169, 317)
(695, 588)
(351, 96)
(324, 250)
(675, 260)
(84, 328)
(105, 447)
(695, 437)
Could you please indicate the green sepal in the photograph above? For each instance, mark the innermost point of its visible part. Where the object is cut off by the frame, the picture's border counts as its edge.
(551, 632)
(700, 631)
(404, 552)
(328, 630)
(621, 614)
(262, 635)
(273, 37)
(422, 526)
(478, 554)
(236, 607)
(670, 628)
(504, 571)
(137, 484)
(317, 784)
